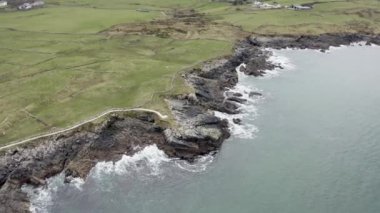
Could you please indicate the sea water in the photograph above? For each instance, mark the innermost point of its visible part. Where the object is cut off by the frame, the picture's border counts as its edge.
(310, 144)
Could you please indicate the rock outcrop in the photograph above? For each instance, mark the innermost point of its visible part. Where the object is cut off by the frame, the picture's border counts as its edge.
(320, 42)
(195, 130)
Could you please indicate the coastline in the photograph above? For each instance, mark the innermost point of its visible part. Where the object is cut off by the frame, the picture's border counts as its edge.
(199, 131)
(103, 114)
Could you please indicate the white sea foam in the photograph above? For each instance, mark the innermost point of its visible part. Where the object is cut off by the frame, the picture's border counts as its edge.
(151, 157)
(248, 110)
(149, 161)
(341, 47)
(199, 165)
(331, 48)
(241, 75)
(280, 60)
(354, 44)
(41, 198)
(78, 183)
(245, 130)
(248, 113)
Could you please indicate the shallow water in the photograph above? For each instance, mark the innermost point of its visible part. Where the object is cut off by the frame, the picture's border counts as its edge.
(311, 144)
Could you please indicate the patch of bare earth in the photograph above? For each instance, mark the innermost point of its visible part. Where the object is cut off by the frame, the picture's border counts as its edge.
(181, 24)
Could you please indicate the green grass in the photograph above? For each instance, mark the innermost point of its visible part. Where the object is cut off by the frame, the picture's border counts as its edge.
(62, 80)
(333, 17)
(71, 19)
(55, 65)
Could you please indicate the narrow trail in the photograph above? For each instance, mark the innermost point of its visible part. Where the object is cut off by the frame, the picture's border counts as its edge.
(163, 117)
(138, 109)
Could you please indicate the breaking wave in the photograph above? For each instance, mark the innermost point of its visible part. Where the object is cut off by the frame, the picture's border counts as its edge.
(248, 109)
(199, 165)
(41, 198)
(279, 60)
(247, 130)
(149, 162)
(355, 44)
(151, 157)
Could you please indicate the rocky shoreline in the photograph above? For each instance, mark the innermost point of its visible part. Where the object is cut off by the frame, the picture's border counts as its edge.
(197, 131)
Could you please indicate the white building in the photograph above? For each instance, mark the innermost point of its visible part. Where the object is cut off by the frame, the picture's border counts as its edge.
(262, 5)
(299, 7)
(28, 6)
(38, 4)
(25, 6)
(3, 4)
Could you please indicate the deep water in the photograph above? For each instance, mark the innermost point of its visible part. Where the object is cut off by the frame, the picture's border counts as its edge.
(311, 144)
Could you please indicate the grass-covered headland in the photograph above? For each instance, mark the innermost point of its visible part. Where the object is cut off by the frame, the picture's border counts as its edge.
(73, 59)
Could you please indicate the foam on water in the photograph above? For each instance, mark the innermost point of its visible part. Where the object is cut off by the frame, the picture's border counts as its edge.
(331, 48)
(147, 162)
(41, 198)
(279, 60)
(355, 44)
(199, 165)
(246, 131)
(78, 183)
(151, 161)
(150, 156)
(249, 109)
(242, 130)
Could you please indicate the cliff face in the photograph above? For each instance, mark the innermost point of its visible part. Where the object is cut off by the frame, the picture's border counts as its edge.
(197, 131)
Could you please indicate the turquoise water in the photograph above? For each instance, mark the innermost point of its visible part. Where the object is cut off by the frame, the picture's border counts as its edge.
(314, 148)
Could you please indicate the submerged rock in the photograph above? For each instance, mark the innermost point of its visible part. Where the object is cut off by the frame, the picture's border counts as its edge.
(320, 42)
(236, 99)
(237, 120)
(233, 94)
(251, 94)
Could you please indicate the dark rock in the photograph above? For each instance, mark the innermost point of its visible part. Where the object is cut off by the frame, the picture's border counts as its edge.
(228, 107)
(21, 176)
(236, 94)
(233, 95)
(14, 152)
(198, 131)
(157, 129)
(146, 117)
(321, 42)
(251, 94)
(3, 175)
(236, 99)
(237, 120)
(208, 120)
(36, 181)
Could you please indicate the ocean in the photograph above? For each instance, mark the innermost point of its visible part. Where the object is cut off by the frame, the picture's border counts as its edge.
(310, 144)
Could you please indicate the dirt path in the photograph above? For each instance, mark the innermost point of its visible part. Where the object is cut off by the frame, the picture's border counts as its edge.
(163, 117)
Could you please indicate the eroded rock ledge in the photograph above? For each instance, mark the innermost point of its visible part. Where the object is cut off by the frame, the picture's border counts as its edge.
(197, 130)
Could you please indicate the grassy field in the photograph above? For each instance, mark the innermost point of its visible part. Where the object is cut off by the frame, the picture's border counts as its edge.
(56, 69)
(328, 16)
